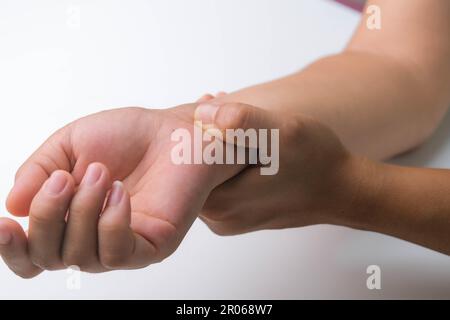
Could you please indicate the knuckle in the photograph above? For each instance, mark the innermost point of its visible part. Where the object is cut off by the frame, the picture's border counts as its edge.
(218, 211)
(234, 116)
(41, 214)
(241, 116)
(78, 208)
(75, 258)
(37, 258)
(215, 215)
(44, 213)
(293, 128)
(109, 226)
(44, 263)
(19, 172)
(219, 228)
(293, 131)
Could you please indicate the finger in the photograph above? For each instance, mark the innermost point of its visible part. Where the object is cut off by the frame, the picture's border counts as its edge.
(47, 220)
(205, 98)
(80, 241)
(14, 251)
(119, 246)
(217, 118)
(51, 156)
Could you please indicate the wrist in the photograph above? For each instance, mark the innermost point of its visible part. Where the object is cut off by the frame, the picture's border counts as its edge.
(358, 193)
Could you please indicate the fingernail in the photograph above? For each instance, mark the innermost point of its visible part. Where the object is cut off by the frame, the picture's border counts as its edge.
(56, 184)
(206, 113)
(116, 194)
(5, 237)
(93, 174)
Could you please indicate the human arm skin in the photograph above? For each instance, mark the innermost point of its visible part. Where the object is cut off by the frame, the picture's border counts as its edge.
(385, 93)
(320, 182)
(408, 203)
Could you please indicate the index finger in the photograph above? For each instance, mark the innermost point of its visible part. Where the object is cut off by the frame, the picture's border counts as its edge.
(51, 156)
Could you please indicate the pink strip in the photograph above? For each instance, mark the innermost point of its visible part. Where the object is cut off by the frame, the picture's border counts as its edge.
(354, 4)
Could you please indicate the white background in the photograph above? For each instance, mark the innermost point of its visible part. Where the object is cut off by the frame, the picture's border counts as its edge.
(166, 52)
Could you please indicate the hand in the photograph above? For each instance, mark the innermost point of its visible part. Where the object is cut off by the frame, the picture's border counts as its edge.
(315, 183)
(134, 146)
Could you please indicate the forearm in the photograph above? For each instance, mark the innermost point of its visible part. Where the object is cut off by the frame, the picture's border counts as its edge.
(377, 106)
(387, 92)
(408, 203)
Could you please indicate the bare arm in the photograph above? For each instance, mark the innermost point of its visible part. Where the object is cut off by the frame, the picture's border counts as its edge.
(386, 93)
(408, 203)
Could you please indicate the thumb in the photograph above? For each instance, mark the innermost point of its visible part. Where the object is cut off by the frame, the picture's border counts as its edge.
(51, 156)
(213, 117)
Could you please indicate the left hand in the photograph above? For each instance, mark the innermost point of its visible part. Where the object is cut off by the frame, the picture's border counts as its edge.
(315, 184)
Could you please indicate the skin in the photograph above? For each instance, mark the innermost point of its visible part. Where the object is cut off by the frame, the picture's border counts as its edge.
(385, 93)
(131, 145)
(327, 185)
(298, 195)
(383, 97)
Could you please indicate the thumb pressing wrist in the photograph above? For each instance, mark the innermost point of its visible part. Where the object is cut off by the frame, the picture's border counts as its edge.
(233, 116)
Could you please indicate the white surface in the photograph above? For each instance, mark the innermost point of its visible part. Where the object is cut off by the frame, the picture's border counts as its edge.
(167, 52)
